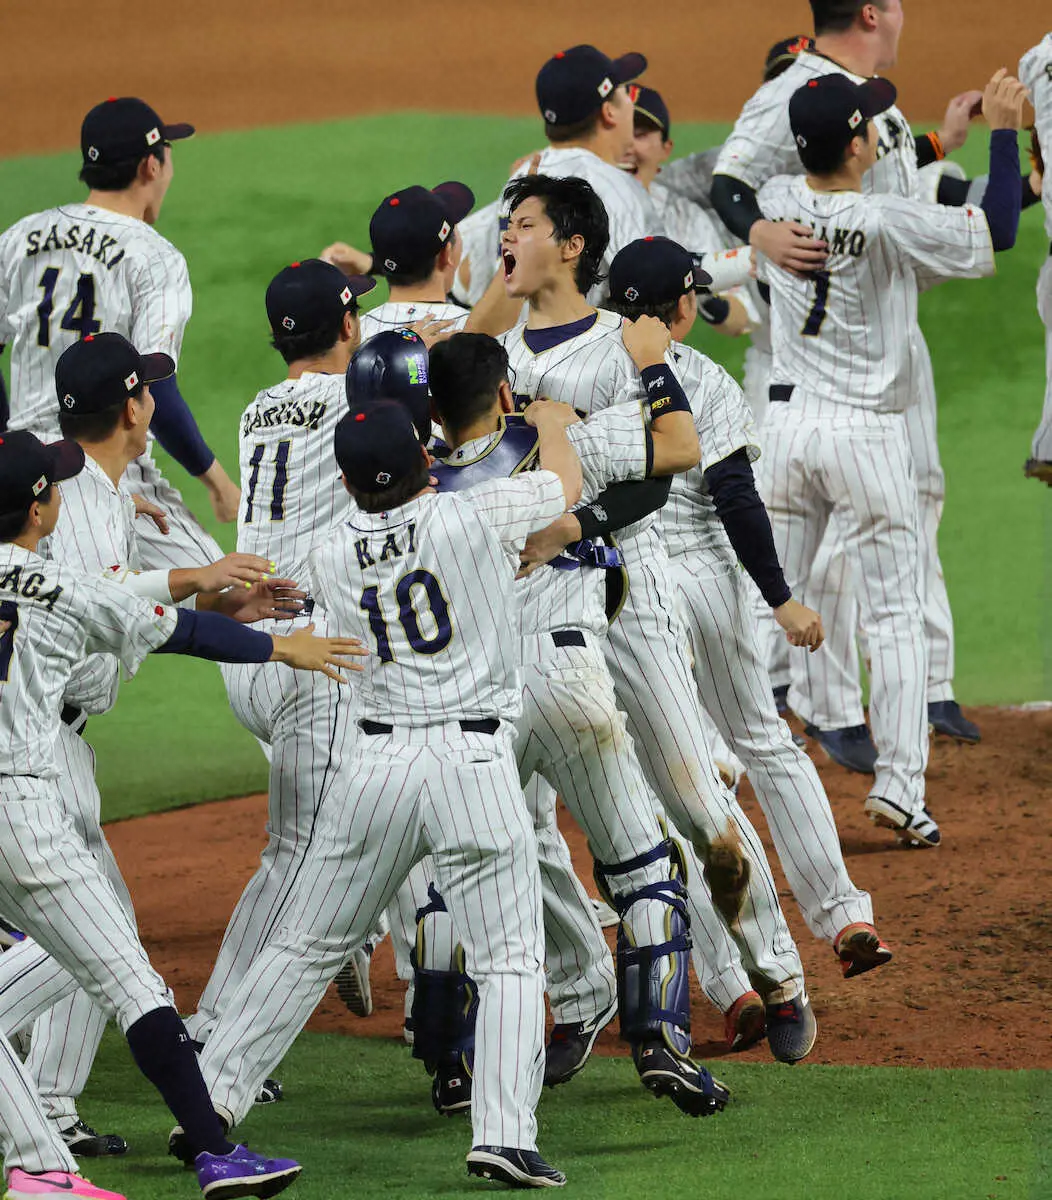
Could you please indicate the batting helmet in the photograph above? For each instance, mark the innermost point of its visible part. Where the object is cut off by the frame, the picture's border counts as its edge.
(392, 366)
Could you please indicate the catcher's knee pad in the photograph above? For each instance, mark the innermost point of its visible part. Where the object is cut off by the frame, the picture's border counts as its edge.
(653, 950)
(445, 999)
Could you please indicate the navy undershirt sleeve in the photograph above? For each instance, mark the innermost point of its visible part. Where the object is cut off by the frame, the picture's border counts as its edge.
(1003, 199)
(622, 504)
(215, 637)
(745, 519)
(176, 429)
(736, 204)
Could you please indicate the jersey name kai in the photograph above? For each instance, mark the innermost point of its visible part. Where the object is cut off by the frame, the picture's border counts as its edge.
(287, 412)
(102, 247)
(29, 586)
(370, 551)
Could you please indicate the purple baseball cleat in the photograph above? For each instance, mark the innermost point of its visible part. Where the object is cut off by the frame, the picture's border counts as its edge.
(243, 1173)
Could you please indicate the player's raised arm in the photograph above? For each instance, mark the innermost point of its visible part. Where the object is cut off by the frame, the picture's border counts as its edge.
(553, 446)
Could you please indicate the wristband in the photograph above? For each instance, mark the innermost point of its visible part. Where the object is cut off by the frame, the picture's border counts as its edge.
(714, 309)
(664, 394)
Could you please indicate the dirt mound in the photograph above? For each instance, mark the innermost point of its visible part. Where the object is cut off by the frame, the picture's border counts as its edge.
(970, 977)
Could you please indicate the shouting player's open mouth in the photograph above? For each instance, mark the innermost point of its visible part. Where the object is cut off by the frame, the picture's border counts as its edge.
(509, 264)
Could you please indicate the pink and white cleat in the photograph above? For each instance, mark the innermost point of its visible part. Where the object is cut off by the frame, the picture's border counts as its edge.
(23, 1186)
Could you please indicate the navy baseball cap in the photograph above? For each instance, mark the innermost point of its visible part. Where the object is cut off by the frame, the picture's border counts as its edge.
(782, 55)
(826, 113)
(124, 128)
(102, 371)
(650, 105)
(654, 270)
(28, 467)
(410, 227)
(574, 83)
(312, 295)
(377, 446)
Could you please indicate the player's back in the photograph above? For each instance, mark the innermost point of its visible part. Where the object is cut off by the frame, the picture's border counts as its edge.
(849, 333)
(1035, 70)
(390, 315)
(430, 587)
(76, 270)
(291, 491)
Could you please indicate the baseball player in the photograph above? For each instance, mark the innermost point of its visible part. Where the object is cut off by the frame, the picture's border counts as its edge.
(845, 356)
(1035, 70)
(713, 519)
(291, 494)
(569, 351)
(857, 40)
(429, 579)
(51, 884)
(81, 268)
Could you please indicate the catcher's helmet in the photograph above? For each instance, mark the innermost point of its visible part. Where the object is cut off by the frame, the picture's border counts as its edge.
(392, 366)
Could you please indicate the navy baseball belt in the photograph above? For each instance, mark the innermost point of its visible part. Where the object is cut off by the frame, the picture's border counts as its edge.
(488, 725)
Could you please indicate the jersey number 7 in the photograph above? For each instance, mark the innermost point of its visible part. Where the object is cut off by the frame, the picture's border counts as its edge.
(816, 317)
(8, 629)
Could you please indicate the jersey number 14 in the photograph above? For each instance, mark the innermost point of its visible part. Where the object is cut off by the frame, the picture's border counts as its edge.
(79, 317)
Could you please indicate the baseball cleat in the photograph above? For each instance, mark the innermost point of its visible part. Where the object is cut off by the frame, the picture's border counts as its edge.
(352, 982)
(686, 1083)
(270, 1092)
(859, 948)
(179, 1147)
(23, 1186)
(1036, 468)
(451, 1088)
(745, 1022)
(851, 748)
(913, 829)
(570, 1045)
(605, 915)
(791, 1029)
(243, 1173)
(945, 716)
(84, 1142)
(516, 1168)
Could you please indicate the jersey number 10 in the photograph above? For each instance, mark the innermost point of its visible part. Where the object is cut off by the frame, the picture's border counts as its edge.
(408, 616)
(79, 317)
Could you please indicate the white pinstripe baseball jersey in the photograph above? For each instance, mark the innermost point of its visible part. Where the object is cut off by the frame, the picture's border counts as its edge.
(686, 222)
(291, 491)
(1035, 70)
(849, 334)
(75, 270)
(724, 423)
(430, 586)
(51, 617)
(761, 145)
(401, 316)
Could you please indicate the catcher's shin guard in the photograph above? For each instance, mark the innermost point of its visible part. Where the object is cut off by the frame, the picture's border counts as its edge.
(445, 1000)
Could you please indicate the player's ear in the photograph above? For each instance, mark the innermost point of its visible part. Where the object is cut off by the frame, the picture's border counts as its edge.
(345, 483)
(573, 247)
(506, 397)
(351, 330)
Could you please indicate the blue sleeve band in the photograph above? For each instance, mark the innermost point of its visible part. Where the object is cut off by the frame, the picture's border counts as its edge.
(745, 519)
(217, 638)
(622, 504)
(1002, 202)
(736, 204)
(664, 391)
(176, 429)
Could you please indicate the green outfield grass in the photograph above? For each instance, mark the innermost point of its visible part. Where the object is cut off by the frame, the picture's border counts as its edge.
(245, 203)
(358, 1116)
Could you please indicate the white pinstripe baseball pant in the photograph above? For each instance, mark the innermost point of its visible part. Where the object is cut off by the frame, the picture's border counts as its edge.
(858, 464)
(435, 789)
(1042, 445)
(27, 1140)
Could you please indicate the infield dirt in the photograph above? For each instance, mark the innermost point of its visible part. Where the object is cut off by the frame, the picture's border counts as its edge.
(970, 923)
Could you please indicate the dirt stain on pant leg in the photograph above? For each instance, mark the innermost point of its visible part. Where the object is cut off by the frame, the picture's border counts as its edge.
(727, 873)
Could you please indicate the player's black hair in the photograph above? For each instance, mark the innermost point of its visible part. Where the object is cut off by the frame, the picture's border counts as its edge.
(665, 312)
(820, 160)
(393, 497)
(93, 426)
(312, 343)
(413, 275)
(465, 375)
(579, 131)
(13, 525)
(115, 177)
(836, 16)
(573, 207)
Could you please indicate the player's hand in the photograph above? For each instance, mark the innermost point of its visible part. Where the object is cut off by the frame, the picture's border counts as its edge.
(646, 339)
(348, 258)
(1003, 101)
(143, 508)
(223, 494)
(540, 412)
(272, 598)
(233, 570)
(302, 650)
(953, 132)
(534, 159)
(548, 543)
(789, 245)
(802, 625)
(431, 330)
